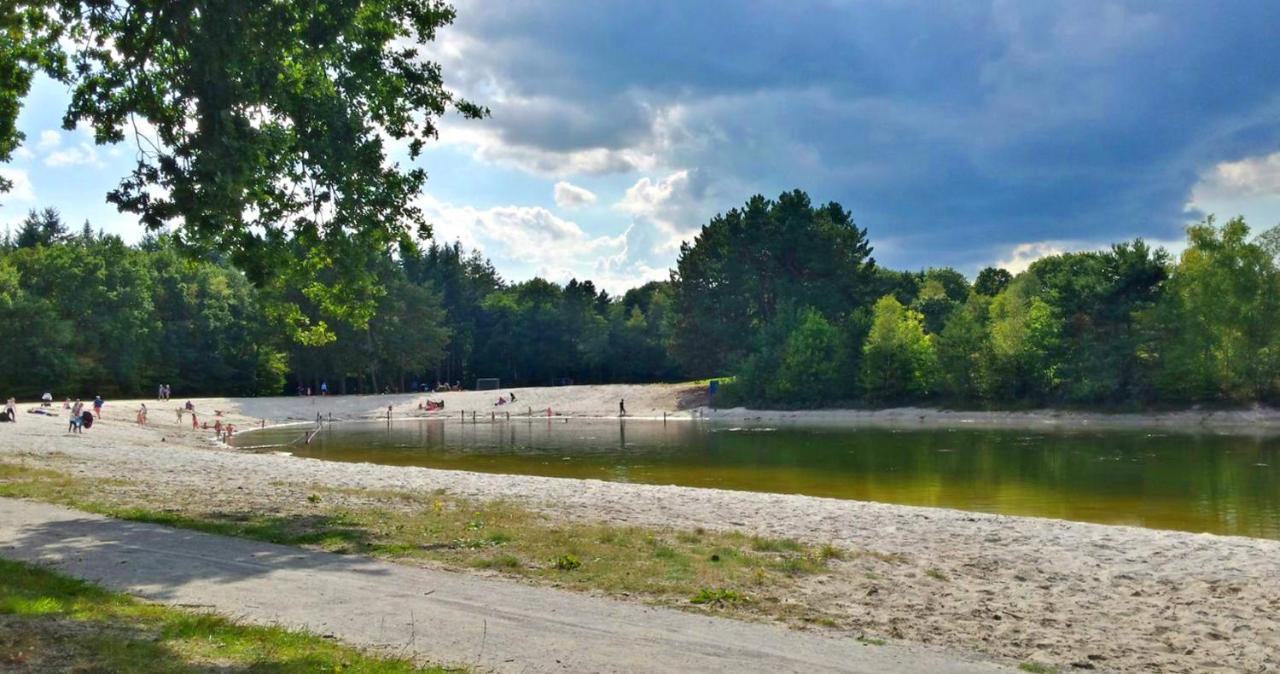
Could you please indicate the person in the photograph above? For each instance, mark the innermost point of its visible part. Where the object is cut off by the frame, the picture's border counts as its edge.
(622, 408)
(76, 424)
(217, 428)
(98, 402)
(513, 396)
(179, 411)
(11, 409)
(160, 393)
(66, 404)
(190, 406)
(195, 424)
(46, 400)
(324, 387)
(142, 415)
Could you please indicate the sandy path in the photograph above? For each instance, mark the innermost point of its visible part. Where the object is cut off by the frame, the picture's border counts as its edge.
(440, 616)
(1118, 598)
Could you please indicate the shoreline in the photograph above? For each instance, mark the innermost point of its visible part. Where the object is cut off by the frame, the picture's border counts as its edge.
(1019, 587)
(681, 402)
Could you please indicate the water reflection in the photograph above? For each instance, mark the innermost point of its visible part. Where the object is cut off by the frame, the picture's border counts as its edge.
(1201, 482)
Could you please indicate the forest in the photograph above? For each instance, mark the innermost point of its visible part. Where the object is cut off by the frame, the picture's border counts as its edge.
(781, 295)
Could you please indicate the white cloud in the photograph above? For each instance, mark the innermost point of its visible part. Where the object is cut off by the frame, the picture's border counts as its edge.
(527, 241)
(23, 154)
(1249, 187)
(22, 190)
(1249, 177)
(1020, 256)
(49, 139)
(671, 206)
(83, 154)
(569, 195)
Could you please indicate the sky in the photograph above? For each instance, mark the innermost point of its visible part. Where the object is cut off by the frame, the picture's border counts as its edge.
(960, 134)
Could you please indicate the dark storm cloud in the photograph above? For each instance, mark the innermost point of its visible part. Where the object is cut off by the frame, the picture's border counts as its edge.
(948, 128)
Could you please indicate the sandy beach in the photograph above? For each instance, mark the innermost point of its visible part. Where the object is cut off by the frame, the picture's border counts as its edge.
(1071, 594)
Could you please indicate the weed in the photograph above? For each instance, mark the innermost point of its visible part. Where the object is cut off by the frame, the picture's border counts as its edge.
(568, 563)
(829, 552)
(871, 641)
(937, 574)
(1037, 668)
(761, 544)
(313, 498)
(500, 562)
(717, 597)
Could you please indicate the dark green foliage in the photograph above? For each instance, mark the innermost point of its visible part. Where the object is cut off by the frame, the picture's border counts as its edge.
(41, 228)
(266, 125)
(748, 264)
(991, 281)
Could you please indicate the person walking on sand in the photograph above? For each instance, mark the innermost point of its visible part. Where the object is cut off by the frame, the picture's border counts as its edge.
(324, 387)
(98, 402)
(11, 409)
(142, 415)
(622, 407)
(76, 422)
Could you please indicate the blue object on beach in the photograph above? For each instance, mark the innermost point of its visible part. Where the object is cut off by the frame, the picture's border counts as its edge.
(713, 386)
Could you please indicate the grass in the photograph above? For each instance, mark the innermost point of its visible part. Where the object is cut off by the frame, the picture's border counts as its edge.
(663, 566)
(1037, 668)
(937, 574)
(50, 622)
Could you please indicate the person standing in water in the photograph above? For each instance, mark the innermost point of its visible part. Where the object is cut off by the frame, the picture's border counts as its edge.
(622, 408)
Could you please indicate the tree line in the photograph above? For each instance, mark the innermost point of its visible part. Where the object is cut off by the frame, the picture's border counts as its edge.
(782, 295)
(84, 314)
(810, 319)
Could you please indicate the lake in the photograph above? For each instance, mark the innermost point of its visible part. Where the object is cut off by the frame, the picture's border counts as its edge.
(1201, 482)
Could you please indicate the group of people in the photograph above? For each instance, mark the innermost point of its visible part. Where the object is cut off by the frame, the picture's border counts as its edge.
(306, 390)
(165, 393)
(503, 400)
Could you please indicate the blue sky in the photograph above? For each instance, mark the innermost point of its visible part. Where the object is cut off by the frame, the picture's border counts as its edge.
(961, 134)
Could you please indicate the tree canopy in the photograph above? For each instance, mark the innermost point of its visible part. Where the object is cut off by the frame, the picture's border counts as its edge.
(262, 130)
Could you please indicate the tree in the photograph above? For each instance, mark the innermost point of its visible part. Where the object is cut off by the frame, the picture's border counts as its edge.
(1214, 333)
(41, 228)
(813, 361)
(748, 264)
(898, 359)
(963, 345)
(1023, 361)
(991, 281)
(269, 122)
(941, 291)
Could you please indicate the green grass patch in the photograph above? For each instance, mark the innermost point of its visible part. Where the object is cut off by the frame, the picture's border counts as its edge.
(717, 597)
(1037, 668)
(660, 565)
(50, 622)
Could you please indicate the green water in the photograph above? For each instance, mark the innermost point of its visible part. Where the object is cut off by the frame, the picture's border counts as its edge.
(1203, 482)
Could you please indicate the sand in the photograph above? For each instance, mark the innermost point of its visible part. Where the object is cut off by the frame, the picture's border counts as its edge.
(1063, 593)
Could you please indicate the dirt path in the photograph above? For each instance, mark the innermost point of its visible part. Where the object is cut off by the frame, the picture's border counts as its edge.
(443, 617)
